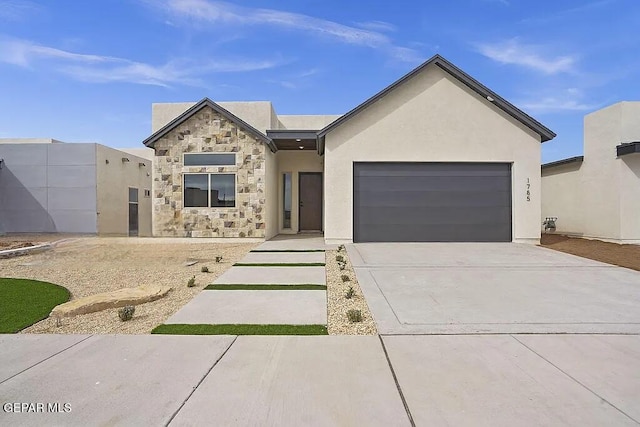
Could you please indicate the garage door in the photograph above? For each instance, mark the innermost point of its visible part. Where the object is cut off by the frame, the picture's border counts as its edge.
(432, 202)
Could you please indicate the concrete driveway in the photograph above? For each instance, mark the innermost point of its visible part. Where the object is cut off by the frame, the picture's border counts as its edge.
(443, 288)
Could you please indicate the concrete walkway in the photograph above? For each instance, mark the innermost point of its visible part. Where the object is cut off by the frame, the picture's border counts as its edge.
(265, 307)
(497, 380)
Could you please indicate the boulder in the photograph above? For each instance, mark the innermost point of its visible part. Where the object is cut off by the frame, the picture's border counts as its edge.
(113, 299)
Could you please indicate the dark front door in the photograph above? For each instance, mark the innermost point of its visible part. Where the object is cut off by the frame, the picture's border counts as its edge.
(432, 202)
(310, 201)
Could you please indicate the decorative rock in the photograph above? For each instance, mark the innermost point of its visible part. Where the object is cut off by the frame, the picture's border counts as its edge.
(114, 299)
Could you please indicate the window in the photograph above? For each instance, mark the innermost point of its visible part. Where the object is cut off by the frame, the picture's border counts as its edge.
(210, 159)
(133, 195)
(209, 190)
(286, 185)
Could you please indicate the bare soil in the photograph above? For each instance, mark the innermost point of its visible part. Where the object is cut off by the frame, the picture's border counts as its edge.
(612, 253)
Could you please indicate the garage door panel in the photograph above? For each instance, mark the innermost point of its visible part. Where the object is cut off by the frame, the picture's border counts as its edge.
(413, 202)
(416, 198)
(421, 217)
(434, 183)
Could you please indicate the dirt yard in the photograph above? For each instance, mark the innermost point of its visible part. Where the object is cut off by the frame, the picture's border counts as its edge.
(612, 253)
(90, 265)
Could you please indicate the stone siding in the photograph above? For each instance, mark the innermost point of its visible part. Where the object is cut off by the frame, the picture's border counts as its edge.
(207, 131)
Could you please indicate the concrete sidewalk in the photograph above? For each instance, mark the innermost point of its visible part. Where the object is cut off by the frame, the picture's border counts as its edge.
(497, 380)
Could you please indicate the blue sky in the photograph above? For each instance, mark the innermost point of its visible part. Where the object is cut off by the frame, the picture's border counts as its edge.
(88, 71)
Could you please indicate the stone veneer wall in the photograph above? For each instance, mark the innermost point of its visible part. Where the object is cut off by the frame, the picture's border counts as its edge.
(208, 131)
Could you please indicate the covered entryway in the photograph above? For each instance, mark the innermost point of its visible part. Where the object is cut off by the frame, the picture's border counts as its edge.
(431, 202)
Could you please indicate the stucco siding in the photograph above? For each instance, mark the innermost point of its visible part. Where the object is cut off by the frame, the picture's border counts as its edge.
(629, 188)
(114, 178)
(271, 195)
(562, 197)
(432, 118)
(305, 121)
(295, 162)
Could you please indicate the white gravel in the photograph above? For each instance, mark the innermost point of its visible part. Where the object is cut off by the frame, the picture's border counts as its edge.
(90, 265)
(338, 304)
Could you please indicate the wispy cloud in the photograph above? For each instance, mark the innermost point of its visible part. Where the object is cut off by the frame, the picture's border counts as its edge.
(17, 10)
(569, 100)
(513, 52)
(106, 69)
(377, 26)
(208, 12)
(567, 13)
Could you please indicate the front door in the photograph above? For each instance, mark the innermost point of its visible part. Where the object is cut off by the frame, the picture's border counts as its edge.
(310, 201)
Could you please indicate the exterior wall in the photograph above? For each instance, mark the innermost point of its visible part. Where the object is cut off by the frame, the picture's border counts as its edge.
(29, 141)
(432, 118)
(602, 199)
(271, 194)
(304, 122)
(562, 197)
(259, 114)
(294, 162)
(145, 153)
(114, 177)
(207, 131)
(48, 188)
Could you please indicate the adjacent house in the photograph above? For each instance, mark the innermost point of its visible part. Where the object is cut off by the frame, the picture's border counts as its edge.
(436, 156)
(48, 186)
(598, 195)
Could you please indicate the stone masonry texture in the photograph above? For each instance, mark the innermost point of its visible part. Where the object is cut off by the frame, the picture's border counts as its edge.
(209, 132)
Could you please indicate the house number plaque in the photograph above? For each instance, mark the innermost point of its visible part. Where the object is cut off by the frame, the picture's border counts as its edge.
(528, 190)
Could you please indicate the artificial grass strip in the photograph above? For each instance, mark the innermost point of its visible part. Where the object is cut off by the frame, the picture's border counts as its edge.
(278, 264)
(24, 302)
(266, 287)
(288, 250)
(200, 329)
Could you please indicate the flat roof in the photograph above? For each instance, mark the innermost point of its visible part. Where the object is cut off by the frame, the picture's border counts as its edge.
(563, 162)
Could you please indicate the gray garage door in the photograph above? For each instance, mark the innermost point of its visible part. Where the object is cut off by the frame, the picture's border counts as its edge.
(432, 202)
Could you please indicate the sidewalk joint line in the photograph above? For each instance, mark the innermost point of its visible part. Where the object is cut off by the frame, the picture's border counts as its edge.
(44, 360)
(576, 380)
(200, 382)
(395, 379)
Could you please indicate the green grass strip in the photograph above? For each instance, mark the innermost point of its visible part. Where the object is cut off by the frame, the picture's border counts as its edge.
(288, 250)
(24, 302)
(268, 287)
(278, 264)
(185, 329)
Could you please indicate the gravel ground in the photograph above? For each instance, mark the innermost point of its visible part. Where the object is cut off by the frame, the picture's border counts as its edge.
(91, 265)
(338, 305)
(612, 253)
(23, 240)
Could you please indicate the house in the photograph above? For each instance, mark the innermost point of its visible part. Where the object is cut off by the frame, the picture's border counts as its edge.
(598, 195)
(436, 156)
(48, 186)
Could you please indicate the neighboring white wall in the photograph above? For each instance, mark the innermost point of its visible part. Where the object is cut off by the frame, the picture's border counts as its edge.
(29, 141)
(48, 188)
(114, 179)
(432, 117)
(145, 153)
(305, 122)
(294, 162)
(562, 197)
(602, 199)
(271, 194)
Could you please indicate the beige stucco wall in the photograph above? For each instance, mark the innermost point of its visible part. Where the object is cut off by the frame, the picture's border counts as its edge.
(113, 181)
(562, 197)
(602, 199)
(431, 118)
(294, 162)
(271, 194)
(305, 121)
